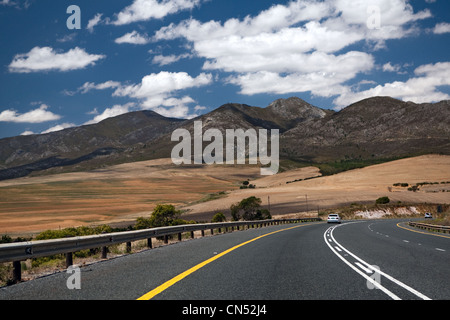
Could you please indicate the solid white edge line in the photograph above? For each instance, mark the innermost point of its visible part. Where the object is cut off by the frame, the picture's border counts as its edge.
(376, 284)
(401, 284)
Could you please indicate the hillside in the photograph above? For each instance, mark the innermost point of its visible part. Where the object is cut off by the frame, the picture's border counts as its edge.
(374, 128)
(354, 186)
(369, 131)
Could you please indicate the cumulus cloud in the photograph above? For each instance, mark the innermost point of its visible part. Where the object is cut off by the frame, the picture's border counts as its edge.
(88, 86)
(39, 115)
(421, 88)
(96, 20)
(442, 28)
(297, 47)
(27, 133)
(114, 111)
(163, 83)
(166, 60)
(59, 127)
(143, 10)
(133, 38)
(158, 91)
(47, 59)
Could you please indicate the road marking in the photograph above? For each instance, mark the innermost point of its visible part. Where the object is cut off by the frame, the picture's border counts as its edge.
(405, 241)
(151, 294)
(440, 249)
(399, 283)
(337, 248)
(369, 279)
(367, 270)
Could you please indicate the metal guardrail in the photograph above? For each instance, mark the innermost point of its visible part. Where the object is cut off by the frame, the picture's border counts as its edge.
(431, 227)
(20, 251)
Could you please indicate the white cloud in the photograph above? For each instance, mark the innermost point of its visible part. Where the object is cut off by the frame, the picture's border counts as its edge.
(143, 10)
(67, 38)
(442, 28)
(88, 86)
(34, 116)
(96, 20)
(158, 92)
(47, 59)
(59, 127)
(133, 38)
(297, 47)
(421, 88)
(163, 83)
(388, 67)
(114, 111)
(199, 108)
(165, 60)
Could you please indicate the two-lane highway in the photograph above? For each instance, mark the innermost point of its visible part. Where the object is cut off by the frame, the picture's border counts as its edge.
(412, 264)
(289, 262)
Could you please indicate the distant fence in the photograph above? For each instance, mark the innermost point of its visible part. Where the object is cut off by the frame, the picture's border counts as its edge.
(16, 252)
(430, 227)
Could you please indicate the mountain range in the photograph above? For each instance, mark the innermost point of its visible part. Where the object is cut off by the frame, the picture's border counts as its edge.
(369, 130)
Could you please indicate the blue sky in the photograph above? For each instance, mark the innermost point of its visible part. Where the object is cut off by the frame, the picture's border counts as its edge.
(183, 58)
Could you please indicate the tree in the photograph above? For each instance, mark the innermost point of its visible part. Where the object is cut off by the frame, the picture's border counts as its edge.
(248, 209)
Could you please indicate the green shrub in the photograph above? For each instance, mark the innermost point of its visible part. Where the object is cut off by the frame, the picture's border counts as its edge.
(162, 216)
(219, 217)
(382, 200)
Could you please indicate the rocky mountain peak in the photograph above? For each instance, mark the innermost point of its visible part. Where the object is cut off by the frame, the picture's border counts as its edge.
(295, 108)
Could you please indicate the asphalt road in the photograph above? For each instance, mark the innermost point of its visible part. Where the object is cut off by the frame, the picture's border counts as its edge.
(360, 260)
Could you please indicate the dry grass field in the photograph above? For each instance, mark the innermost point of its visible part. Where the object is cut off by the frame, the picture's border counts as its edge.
(359, 185)
(120, 194)
(113, 195)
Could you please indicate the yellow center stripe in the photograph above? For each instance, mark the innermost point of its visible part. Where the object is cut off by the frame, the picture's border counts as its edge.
(183, 275)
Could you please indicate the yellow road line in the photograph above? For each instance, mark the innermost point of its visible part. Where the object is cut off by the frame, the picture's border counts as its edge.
(183, 275)
(428, 233)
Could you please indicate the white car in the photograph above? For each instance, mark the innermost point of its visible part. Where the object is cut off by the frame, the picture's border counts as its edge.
(428, 215)
(334, 218)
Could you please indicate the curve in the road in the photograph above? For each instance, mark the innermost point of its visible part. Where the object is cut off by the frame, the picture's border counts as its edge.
(183, 275)
(365, 269)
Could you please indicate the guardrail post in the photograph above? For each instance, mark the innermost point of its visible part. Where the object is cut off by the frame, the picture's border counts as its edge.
(17, 272)
(104, 252)
(212, 231)
(149, 243)
(179, 236)
(192, 234)
(203, 233)
(128, 247)
(166, 239)
(69, 259)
